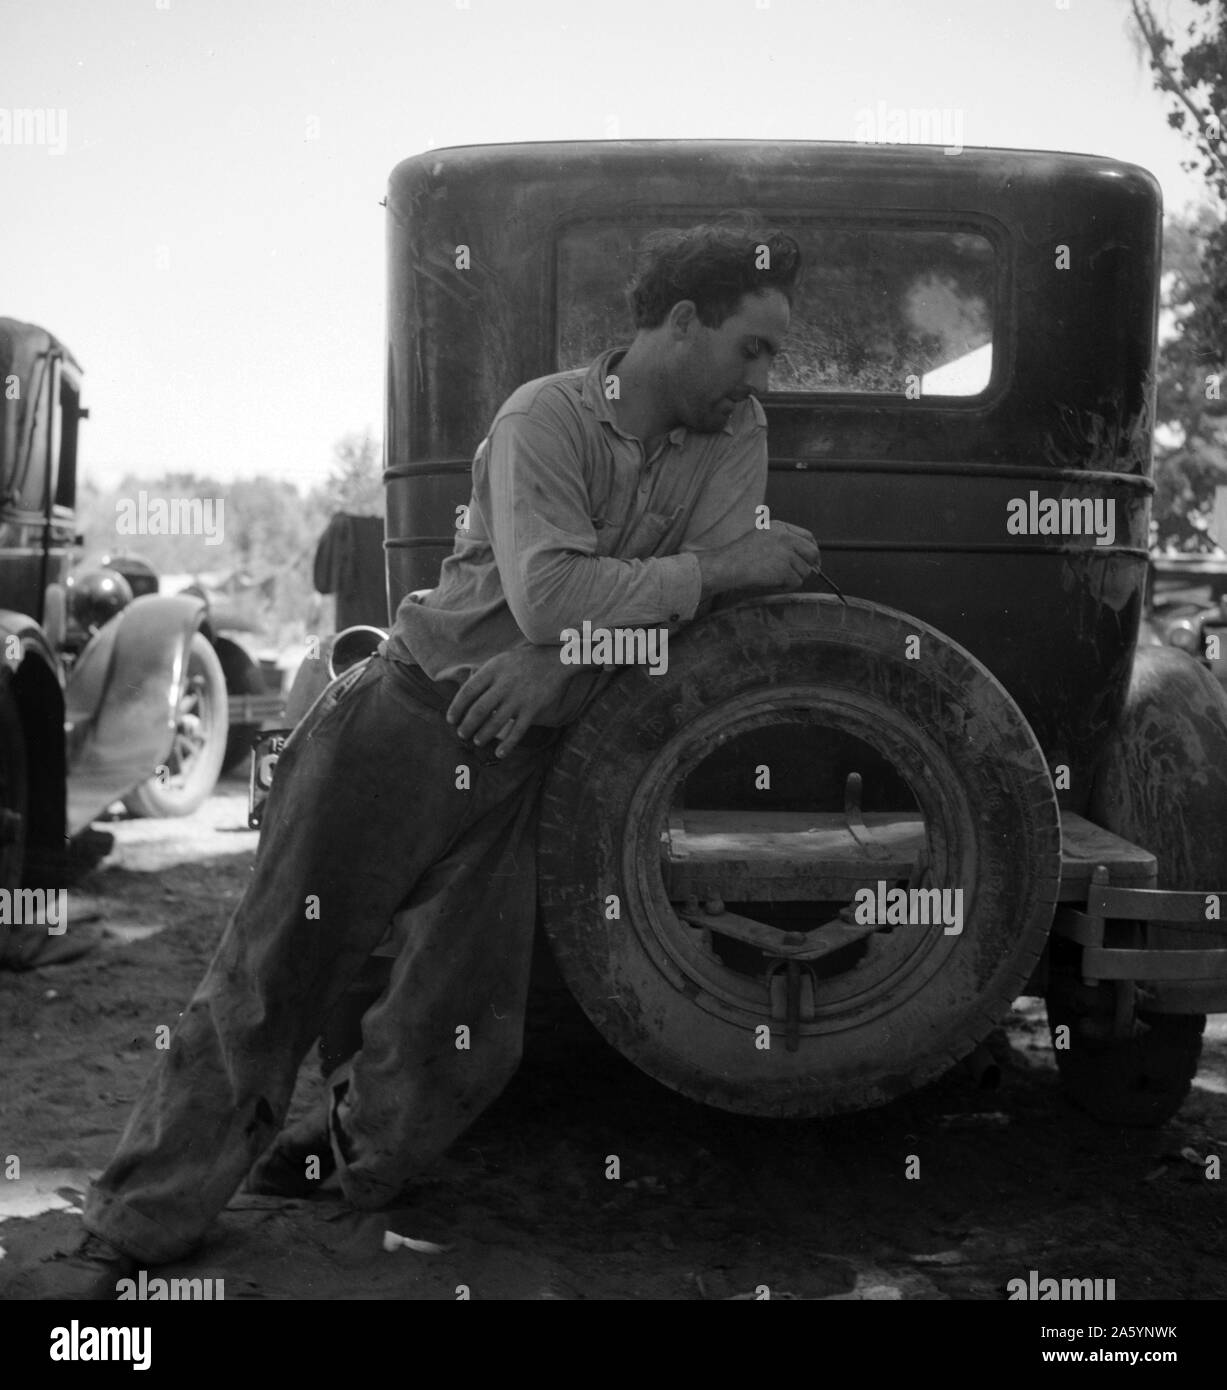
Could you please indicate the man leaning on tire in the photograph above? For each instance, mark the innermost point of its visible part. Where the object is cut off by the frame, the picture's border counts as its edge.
(622, 495)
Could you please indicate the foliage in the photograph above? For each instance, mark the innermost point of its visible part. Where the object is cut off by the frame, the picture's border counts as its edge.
(1191, 443)
(262, 554)
(355, 483)
(1191, 453)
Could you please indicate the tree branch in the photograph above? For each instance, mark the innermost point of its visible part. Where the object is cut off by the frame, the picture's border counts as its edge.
(1155, 40)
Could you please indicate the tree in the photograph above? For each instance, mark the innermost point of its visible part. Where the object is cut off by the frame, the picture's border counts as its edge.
(355, 483)
(257, 551)
(1191, 454)
(1191, 434)
(255, 560)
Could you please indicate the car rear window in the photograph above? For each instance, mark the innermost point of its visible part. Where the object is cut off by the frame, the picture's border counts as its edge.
(880, 309)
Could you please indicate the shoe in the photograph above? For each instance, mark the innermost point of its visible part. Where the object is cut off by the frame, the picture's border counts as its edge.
(33, 950)
(337, 1092)
(90, 1273)
(282, 1171)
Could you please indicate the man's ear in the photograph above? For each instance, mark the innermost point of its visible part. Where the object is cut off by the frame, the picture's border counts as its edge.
(682, 319)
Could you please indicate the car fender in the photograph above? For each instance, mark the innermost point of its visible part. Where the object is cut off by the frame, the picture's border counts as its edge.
(1161, 780)
(32, 678)
(240, 666)
(122, 696)
(31, 640)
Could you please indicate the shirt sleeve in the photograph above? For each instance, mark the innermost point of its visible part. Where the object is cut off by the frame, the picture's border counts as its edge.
(540, 529)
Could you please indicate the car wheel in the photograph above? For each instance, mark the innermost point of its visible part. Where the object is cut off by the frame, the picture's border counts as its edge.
(683, 806)
(12, 813)
(199, 744)
(1137, 1081)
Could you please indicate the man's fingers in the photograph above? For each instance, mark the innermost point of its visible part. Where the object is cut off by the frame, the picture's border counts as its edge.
(481, 714)
(801, 540)
(807, 550)
(797, 532)
(484, 721)
(476, 685)
(509, 735)
(499, 725)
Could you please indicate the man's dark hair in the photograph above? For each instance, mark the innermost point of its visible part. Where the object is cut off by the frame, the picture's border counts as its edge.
(714, 265)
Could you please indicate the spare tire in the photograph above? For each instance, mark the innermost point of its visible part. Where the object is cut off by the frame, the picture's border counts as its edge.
(811, 673)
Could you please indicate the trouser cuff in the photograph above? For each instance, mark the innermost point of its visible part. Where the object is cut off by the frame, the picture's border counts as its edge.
(363, 1191)
(135, 1235)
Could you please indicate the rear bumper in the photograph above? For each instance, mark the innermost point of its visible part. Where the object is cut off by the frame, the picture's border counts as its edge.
(1170, 944)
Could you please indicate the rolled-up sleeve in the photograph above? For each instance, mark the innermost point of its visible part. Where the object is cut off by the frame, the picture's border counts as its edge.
(545, 545)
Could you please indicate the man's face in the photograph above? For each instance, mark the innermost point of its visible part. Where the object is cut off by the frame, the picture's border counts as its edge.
(717, 367)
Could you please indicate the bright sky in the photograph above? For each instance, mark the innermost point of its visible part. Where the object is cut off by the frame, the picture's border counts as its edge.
(220, 274)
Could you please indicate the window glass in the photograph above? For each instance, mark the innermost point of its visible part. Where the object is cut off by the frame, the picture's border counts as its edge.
(66, 486)
(30, 482)
(878, 309)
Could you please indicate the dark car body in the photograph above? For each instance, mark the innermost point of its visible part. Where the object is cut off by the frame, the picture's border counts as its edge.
(95, 705)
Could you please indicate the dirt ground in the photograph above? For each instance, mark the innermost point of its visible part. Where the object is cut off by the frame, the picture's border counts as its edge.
(707, 1206)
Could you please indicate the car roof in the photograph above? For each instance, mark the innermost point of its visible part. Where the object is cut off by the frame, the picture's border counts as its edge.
(21, 344)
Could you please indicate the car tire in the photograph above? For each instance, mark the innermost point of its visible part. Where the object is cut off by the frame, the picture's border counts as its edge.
(1141, 1081)
(12, 815)
(199, 746)
(917, 1000)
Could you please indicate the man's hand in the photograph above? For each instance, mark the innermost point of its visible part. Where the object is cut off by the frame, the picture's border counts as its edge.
(776, 559)
(505, 695)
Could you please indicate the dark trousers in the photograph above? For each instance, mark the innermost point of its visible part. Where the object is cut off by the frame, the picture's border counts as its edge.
(369, 820)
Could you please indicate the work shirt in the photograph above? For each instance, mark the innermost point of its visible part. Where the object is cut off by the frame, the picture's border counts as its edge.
(570, 522)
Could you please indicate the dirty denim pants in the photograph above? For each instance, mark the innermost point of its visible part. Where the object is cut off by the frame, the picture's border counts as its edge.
(364, 818)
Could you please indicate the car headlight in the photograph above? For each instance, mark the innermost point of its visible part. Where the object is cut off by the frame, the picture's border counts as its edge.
(95, 596)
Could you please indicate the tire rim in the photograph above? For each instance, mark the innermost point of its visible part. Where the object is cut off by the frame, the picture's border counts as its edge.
(895, 964)
(192, 724)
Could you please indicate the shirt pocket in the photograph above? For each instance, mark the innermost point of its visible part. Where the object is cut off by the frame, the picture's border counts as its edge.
(607, 532)
(649, 534)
